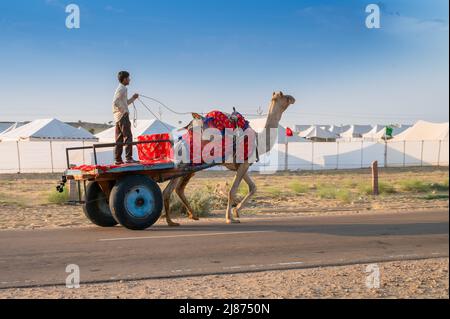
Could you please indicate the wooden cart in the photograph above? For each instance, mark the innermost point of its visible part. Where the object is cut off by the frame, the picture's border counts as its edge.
(128, 194)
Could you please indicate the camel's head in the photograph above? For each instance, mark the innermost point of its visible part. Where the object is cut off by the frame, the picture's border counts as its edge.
(197, 121)
(281, 100)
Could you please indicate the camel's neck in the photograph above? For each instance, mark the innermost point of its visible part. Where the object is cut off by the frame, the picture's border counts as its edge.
(273, 118)
(272, 123)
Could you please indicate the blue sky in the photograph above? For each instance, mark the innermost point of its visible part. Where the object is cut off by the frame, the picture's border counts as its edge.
(216, 54)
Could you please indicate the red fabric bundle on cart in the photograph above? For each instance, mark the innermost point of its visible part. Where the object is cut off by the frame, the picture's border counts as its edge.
(220, 121)
(160, 152)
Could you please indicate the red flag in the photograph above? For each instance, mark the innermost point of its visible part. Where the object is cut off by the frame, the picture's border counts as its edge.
(289, 132)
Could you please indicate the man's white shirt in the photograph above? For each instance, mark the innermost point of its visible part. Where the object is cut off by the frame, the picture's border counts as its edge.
(120, 103)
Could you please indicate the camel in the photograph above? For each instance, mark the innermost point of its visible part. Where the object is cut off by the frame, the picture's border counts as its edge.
(278, 106)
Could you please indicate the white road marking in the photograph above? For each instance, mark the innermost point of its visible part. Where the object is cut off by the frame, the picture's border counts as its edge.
(291, 263)
(190, 235)
(263, 266)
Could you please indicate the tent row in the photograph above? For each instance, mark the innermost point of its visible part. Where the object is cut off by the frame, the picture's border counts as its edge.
(56, 130)
(46, 130)
(53, 129)
(331, 133)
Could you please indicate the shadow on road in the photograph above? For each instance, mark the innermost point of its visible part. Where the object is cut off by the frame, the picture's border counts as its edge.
(359, 230)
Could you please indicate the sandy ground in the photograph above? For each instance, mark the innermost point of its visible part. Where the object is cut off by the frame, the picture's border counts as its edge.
(24, 205)
(400, 279)
(24, 198)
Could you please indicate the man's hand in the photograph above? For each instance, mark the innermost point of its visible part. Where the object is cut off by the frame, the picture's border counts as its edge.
(135, 96)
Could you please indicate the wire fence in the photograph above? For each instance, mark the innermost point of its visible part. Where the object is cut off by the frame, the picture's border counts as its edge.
(50, 156)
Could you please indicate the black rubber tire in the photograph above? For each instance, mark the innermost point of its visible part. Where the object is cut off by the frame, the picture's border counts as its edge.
(117, 202)
(96, 207)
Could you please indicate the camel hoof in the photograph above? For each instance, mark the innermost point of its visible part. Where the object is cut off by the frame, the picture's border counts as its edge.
(194, 218)
(172, 224)
(233, 221)
(235, 213)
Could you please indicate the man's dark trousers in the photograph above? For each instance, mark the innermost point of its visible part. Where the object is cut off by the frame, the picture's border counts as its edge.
(123, 135)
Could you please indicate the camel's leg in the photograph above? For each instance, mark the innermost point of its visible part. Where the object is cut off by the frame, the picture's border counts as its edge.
(251, 192)
(181, 186)
(240, 172)
(166, 197)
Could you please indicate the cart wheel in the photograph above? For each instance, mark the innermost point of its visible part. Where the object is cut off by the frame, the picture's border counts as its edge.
(96, 206)
(136, 202)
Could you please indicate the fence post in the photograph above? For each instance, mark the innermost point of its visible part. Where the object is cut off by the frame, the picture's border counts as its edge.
(375, 190)
(51, 156)
(84, 160)
(286, 167)
(18, 157)
(362, 153)
(439, 154)
(312, 156)
(337, 156)
(385, 153)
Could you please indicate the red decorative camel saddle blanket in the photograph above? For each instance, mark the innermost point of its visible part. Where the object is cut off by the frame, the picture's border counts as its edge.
(215, 119)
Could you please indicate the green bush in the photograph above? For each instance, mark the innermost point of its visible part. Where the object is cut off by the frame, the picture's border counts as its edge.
(386, 188)
(435, 197)
(344, 195)
(440, 187)
(243, 189)
(415, 186)
(58, 198)
(299, 188)
(326, 192)
(201, 203)
(383, 188)
(349, 183)
(365, 189)
(331, 192)
(273, 192)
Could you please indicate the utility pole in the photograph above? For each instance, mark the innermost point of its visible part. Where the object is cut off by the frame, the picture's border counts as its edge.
(259, 111)
(160, 113)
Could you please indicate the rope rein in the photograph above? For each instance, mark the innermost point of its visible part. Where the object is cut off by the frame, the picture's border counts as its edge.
(184, 113)
(145, 105)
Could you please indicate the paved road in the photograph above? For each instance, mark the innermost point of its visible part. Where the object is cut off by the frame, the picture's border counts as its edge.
(40, 257)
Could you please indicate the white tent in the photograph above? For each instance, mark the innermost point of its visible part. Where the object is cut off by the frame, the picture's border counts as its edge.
(4, 126)
(316, 133)
(424, 131)
(47, 130)
(7, 127)
(356, 131)
(338, 129)
(259, 124)
(143, 127)
(301, 128)
(374, 132)
(381, 134)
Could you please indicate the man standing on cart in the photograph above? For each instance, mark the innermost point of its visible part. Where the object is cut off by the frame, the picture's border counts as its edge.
(122, 119)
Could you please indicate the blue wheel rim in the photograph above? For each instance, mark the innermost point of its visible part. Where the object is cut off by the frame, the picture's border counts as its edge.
(139, 202)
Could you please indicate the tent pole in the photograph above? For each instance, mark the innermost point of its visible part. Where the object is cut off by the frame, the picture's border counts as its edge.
(439, 154)
(51, 156)
(18, 156)
(337, 155)
(421, 154)
(286, 166)
(362, 153)
(404, 153)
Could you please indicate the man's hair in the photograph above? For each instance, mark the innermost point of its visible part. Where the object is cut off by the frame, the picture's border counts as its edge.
(123, 75)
